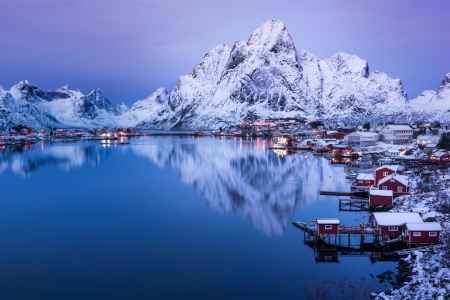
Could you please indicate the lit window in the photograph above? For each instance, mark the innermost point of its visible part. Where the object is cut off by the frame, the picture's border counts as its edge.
(417, 233)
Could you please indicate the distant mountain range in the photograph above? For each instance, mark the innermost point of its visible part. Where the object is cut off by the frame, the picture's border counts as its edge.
(262, 77)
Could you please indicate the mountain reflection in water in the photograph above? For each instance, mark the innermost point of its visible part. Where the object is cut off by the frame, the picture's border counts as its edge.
(239, 176)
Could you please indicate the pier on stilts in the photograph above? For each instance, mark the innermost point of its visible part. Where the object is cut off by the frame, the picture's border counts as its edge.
(363, 240)
(360, 204)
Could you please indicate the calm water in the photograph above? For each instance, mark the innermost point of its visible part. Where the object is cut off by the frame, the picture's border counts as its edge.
(165, 218)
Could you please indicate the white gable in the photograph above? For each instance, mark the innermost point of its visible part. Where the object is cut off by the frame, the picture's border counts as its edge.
(400, 178)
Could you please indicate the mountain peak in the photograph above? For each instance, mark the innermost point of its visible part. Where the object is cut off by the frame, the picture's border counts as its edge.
(445, 85)
(269, 33)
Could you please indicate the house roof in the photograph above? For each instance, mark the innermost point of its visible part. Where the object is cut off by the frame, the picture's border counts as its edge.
(399, 127)
(439, 153)
(397, 218)
(394, 168)
(400, 178)
(365, 176)
(365, 134)
(374, 192)
(424, 226)
(323, 221)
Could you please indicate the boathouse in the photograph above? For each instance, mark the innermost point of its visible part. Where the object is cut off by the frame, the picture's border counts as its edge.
(398, 184)
(423, 233)
(341, 149)
(440, 156)
(392, 223)
(380, 197)
(387, 170)
(327, 226)
(365, 180)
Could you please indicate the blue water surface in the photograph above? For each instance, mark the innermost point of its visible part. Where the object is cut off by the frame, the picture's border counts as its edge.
(165, 218)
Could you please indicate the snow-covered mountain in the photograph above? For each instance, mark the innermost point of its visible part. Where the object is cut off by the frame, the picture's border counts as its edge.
(27, 105)
(266, 76)
(262, 77)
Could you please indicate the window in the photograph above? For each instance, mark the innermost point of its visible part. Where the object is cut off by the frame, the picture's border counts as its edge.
(385, 174)
(399, 189)
(393, 228)
(328, 258)
(384, 187)
(361, 181)
(367, 181)
(432, 233)
(328, 226)
(417, 233)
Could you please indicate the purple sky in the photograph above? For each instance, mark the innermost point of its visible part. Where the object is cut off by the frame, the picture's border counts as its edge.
(130, 48)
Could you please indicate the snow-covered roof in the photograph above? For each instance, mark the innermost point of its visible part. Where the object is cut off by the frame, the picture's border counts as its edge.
(396, 218)
(324, 221)
(366, 134)
(392, 150)
(394, 168)
(399, 127)
(424, 226)
(380, 193)
(400, 178)
(365, 176)
(430, 145)
(439, 153)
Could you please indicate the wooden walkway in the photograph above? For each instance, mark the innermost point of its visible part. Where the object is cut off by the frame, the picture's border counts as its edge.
(388, 242)
(412, 250)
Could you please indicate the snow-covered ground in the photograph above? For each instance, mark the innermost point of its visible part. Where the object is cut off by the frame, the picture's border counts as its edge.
(431, 273)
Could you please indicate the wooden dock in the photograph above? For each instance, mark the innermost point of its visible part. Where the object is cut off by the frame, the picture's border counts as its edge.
(353, 204)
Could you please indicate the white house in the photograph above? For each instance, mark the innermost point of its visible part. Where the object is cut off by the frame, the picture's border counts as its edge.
(397, 134)
(424, 139)
(361, 139)
(392, 153)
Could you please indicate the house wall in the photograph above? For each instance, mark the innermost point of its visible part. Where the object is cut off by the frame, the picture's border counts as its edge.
(379, 173)
(380, 200)
(385, 230)
(424, 238)
(365, 183)
(321, 229)
(392, 186)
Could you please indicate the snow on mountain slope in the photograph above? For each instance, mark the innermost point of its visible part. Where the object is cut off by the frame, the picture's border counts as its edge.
(434, 104)
(27, 105)
(266, 76)
(143, 108)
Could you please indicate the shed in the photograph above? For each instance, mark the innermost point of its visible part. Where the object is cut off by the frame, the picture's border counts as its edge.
(423, 233)
(328, 226)
(380, 197)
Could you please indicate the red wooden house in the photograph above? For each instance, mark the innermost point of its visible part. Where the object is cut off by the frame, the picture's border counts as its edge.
(327, 226)
(380, 197)
(440, 156)
(387, 170)
(423, 233)
(398, 184)
(341, 149)
(365, 180)
(393, 223)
